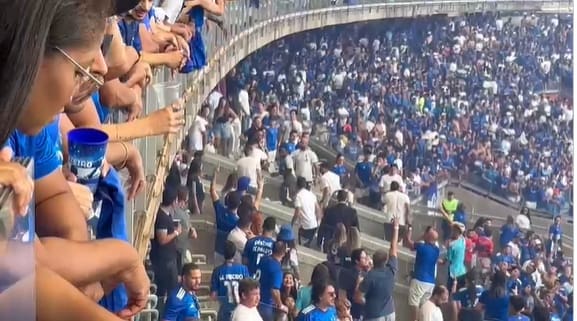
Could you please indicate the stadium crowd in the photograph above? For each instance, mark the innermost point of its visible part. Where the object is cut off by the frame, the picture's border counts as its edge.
(89, 58)
(472, 97)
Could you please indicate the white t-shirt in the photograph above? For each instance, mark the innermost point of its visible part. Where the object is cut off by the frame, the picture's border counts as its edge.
(430, 312)
(331, 181)
(249, 166)
(244, 313)
(306, 201)
(243, 99)
(386, 180)
(238, 237)
(213, 98)
(195, 133)
(395, 203)
(304, 161)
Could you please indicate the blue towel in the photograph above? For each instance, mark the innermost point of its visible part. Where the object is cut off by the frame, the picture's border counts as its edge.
(112, 224)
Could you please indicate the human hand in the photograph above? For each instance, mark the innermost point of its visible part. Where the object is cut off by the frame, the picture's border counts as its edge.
(182, 30)
(140, 74)
(175, 59)
(183, 45)
(135, 109)
(93, 291)
(16, 176)
(192, 234)
(83, 196)
(178, 229)
(135, 170)
(168, 120)
(137, 286)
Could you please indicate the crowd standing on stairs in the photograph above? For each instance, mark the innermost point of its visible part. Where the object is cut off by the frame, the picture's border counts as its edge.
(406, 109)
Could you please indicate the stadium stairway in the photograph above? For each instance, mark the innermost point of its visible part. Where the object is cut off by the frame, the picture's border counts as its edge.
(370, 220)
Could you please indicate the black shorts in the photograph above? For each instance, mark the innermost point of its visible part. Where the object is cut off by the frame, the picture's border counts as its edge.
(389, 232)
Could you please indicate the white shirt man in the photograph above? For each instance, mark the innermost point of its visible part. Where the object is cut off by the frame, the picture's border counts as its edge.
(196, 134)
(330, 182)
(213, 98)
(304, 161)
(396, 205)
(249, 294)
(238, 237)
(387, 179)
(306, 203)
(249, 166)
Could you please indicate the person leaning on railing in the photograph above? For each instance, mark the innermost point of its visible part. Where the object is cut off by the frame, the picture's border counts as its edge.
(61, 42)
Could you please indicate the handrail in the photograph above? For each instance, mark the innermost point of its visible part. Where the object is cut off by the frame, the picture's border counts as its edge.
(245, 31)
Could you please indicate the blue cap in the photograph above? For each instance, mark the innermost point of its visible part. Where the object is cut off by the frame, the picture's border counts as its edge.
(286, 233)
(243, 183)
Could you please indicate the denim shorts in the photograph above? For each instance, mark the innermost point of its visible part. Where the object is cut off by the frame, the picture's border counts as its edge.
(223, 130)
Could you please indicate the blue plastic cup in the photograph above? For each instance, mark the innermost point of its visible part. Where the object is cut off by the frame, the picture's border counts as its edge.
(86, 153)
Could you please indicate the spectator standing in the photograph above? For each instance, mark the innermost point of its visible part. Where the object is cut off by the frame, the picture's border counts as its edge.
(495, 300)
(270, 275)
(448, 208)
(163, 254)
(195, 188)
(555, 237)
(197, 134)
(456, 258)
(523, 220)
(350, 280)
(224, 282)
(320, 274)
(249, 295)
(305, 160)
(307, 213)
(241, 233)
(259, 246)
(397, 205)
(249, 166)
(430, 310)
(391, 176)
(379, 284)
(226, 217)
(425, 268)
(182, 304)
(188, 233)
(323, 304)
(466, 298)
(341, 212)
(509, 231)
(329, 184)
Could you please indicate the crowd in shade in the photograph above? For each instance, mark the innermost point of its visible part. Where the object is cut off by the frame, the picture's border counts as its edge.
(475, 98)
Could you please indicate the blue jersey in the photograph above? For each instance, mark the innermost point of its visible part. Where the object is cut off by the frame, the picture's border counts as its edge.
(467, 298)
(224, 283)
(272, 134)
(312, 313)
(42, 147)
(426, 257)
(270, 275)
(181, 305)
(364, 171)
(290, 147)
(519, 317)
(225, 222)
(255, 249)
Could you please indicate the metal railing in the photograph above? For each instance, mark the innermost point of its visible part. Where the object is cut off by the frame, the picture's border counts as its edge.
(243, 28)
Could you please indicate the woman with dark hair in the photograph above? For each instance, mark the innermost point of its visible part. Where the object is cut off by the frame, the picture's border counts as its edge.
(495, 300)
(320, 274)
(323, 303)
(51, 47)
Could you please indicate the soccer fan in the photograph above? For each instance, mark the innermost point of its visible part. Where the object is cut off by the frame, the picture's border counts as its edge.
(182, 303)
